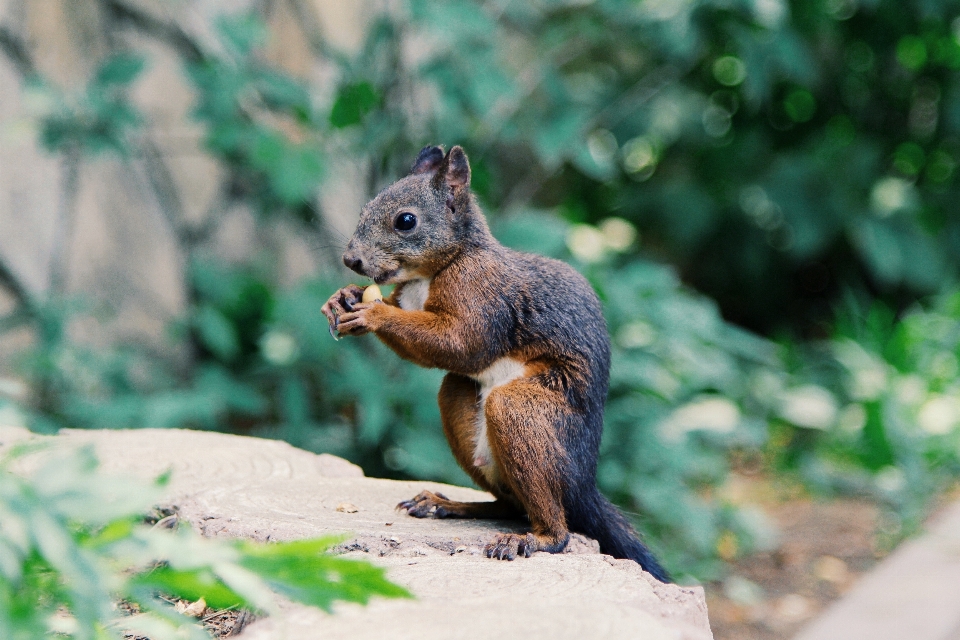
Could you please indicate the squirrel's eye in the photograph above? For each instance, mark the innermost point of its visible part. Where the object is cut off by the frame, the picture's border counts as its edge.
(405, 222)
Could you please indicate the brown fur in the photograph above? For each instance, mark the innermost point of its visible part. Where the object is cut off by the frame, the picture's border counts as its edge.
(521, 422)
(528, 327)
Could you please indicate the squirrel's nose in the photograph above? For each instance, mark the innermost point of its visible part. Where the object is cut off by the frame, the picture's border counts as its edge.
(353, 263)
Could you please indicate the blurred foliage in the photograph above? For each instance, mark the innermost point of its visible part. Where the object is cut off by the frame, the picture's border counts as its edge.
(97, 119)
(719, 127)
(878, 412)
(783, 156)
(259, 121)
(73, 542)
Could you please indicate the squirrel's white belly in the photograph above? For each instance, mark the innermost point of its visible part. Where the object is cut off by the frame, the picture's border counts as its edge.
(414, 294)
(498, 374)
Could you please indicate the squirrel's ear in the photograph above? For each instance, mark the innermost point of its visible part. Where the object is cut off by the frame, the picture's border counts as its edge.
(454, 171)
(458, 168)
(428, 160)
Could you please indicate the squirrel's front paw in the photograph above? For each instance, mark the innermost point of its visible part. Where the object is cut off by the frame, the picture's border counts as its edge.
(359, 321)
(340, 303)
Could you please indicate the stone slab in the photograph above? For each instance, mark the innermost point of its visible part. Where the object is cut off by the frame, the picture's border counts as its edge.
(268, 490)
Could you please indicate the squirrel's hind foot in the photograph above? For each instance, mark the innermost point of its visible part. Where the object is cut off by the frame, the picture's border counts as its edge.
(507, 546)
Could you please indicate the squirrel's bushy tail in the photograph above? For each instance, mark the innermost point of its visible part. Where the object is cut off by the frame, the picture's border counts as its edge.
(597, 517)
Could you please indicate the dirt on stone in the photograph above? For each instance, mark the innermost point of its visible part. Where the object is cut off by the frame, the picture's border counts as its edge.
(219, 623)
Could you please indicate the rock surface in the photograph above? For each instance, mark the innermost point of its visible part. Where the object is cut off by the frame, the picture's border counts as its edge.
(268, 490)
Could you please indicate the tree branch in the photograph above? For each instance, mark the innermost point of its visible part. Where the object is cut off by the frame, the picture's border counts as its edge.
(16, 50)
(168, 32)
(312, 29)
(66, 218)
(10, 282)
(162, 182)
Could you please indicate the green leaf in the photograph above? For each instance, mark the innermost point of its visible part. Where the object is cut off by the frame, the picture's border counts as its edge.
(283, 92)
(191, 584)
(303, 571)
(268, 149)
(112, 532)
(217, 333)
(120, 69)
(880, 247)
(375, 419)
(353, 102)
(242, 32)
(295, 401)
(800, 105)
(236, 395)
(912, 52)
(82, 567)
(296, 176)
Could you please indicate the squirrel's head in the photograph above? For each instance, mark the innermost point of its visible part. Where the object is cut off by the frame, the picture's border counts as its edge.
(414, 227)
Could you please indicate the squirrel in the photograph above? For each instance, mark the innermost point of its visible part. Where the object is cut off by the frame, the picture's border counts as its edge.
(526, 348)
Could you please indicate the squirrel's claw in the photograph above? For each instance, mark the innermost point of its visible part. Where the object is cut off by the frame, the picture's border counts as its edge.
(352, 325)
(506, 546)
(356, 322)
(339, 304)
(425, 504)
(411, 504)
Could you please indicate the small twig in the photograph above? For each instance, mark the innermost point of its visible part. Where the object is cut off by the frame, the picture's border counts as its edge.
(311, 28)
(16, 50)
(530, 79)
(13, 285)
(165, 31)
(190, 236)
(641, 92)
(217, 612)
(242, 621)
(18, 318)
(63, 232)
(160, 178)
